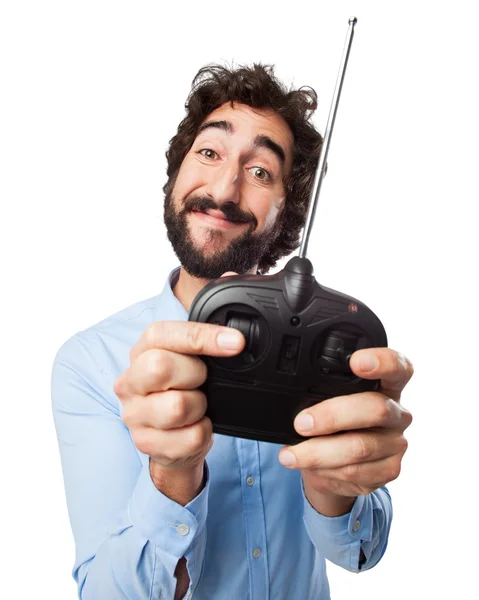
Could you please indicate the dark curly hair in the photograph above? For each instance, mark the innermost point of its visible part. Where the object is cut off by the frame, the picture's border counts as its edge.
(257, 87)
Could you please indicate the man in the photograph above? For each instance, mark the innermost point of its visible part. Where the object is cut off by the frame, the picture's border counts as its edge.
(159, 507)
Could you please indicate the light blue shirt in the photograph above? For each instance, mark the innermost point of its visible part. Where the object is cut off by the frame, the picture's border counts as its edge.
(251, 534)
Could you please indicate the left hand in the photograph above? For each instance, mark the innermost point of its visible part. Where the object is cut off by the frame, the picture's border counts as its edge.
(356, 442)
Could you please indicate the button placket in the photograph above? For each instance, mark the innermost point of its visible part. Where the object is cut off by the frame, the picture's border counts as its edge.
(249, 459)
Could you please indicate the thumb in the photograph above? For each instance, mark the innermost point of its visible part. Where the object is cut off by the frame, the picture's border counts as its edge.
(228, 273)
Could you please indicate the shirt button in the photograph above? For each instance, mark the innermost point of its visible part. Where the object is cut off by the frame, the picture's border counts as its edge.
(356, 526)
(256, 552)
(183, 529)
(250, 480)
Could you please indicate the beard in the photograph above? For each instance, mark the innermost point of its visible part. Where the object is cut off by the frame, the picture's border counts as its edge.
(241, 255)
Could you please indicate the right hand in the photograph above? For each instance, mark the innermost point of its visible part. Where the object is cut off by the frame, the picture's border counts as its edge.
(162, 407)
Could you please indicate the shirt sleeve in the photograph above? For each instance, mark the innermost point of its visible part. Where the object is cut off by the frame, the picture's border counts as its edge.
(366, 527)
(128, 535)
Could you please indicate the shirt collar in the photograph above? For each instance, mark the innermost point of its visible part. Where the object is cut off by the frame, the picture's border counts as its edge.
(169, 308)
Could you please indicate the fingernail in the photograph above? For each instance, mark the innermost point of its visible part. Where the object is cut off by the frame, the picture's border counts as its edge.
(368, 363)
(229, 340)
(287, 458)
(304, 422)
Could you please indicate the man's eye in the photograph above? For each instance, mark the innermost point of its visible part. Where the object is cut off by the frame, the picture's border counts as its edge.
(260, 173)
(208, 153)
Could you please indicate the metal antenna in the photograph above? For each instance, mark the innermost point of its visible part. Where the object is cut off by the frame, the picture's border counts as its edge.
(318, 180)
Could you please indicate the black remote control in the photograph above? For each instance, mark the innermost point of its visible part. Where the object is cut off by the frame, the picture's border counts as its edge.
(299, 336)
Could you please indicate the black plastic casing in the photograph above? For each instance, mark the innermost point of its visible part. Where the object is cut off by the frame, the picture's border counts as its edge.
(299, 335)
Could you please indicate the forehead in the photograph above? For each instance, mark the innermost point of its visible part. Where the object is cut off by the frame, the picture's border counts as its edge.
(255, 121)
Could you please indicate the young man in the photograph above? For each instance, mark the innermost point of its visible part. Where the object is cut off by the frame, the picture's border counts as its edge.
(161, 509)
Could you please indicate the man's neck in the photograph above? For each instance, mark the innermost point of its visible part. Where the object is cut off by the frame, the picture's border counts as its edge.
(187, 287)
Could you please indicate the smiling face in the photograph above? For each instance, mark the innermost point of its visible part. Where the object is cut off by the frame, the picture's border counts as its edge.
(223, 211)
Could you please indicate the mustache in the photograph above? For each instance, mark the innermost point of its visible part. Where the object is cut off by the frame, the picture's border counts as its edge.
(230, 210)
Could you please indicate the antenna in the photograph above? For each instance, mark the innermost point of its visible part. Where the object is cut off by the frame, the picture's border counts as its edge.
(320, 171)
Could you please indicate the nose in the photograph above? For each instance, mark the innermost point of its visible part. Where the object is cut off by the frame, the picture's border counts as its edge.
(224, 184)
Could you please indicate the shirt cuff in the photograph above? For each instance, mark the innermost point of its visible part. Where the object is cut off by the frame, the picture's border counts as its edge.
(167, 524)
(341, 536)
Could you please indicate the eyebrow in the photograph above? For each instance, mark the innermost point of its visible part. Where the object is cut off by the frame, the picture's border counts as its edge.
(264, 141)
(224, 125)
(260, 141)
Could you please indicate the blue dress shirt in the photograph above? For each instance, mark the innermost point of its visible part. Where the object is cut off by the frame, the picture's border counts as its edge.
(250, 534)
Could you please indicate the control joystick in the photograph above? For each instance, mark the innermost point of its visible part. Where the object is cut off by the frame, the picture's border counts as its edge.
(337, 350)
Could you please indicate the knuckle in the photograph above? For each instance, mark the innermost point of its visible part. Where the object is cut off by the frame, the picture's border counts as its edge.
(119, 387)
(153, 333)
(202, 371)
(128, 416)
(153, 360)
(328, 417)
(351, 472)
(199, 436)
(409, 367)
(393, 469)
(202, 403)
(195, 338)
(403, 362)
(402, 445)
(408, 418)
(159, 362)
(390, 362)
(363, 446)
(132, 354)
(195, 371)
(144, 441)
(178, 406)
(381, 410)
(395, 363)
(197, 439)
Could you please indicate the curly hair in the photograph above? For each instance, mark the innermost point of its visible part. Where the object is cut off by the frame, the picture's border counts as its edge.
(257, 87)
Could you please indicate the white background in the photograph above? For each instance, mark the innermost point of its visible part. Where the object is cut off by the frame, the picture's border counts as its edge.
(91, 93)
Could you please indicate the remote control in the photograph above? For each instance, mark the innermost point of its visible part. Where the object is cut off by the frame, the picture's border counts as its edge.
(299, 335)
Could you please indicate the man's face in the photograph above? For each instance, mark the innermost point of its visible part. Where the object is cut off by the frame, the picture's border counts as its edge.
(229, 192)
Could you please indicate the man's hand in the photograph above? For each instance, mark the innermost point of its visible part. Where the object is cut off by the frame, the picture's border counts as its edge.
(357, 441)
(162, 407)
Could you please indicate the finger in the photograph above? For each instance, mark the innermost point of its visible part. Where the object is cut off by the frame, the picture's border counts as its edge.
(366, 476)
(160, 370)
(178, 445)
(355, 411)
(338, 450)
(166, 410)
(229, 273)
(188, 337)
(391, 367)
